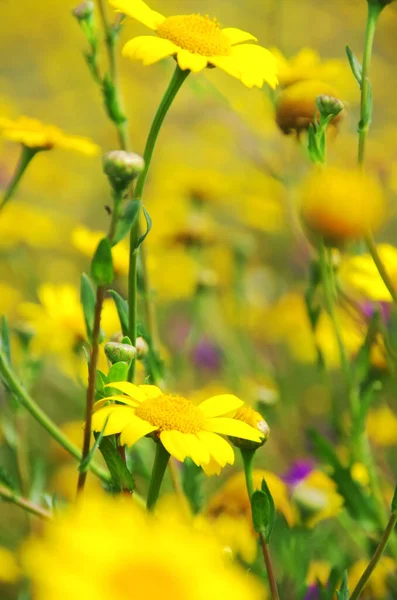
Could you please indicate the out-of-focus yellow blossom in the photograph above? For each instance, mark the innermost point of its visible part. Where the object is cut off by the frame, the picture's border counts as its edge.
(63, 482)
(9, 569)
(232, 499)
(34, 134)
(319, 570)
(9, 299)
(184, 429)
(341, 205)
(296, 105)
(86, 241)
(382, 426)
(317, 494)
(150, 557)
(359, 275)
(377, 587)
(74, 432)
(174, 275)
(307, 65)
(359, 473)
(197, 42)
(22, 224)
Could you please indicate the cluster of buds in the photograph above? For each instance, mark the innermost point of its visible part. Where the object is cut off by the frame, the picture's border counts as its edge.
(122, 168)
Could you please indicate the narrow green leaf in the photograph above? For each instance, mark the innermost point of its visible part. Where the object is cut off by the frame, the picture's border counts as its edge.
(122, 310)
(118, 372)
(87, 299)
(7, 480)
(271, 510)
(192, 482)
(84, 464)
(102, 264)
(343, 593)
(355, 66)
(122, 479)
(127, 219)
(394, 501)
(5, 344)
(148, 227)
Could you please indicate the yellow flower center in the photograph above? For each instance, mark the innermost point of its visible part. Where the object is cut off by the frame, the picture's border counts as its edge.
(198, 34)
(171, 413)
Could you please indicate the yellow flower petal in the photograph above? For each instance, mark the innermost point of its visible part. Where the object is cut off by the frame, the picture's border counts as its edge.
(149, 49)
(128, 388)
(118, 418)
(212, 468)
(135, 430)
(220, 450)
(232, 427)
(259, 63)
(9, 570)
(220, 405)
(139, 10)
(123, 399)
(237, 36)
(193, 62)
(174, 443)
(198, 451)
(151, 391)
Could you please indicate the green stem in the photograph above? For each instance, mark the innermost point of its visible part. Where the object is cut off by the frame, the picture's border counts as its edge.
(42, 418)
(24, 503)
(159, 467)
(177, 80)
(248, 461)
(374, 11)
(26, 156)
(376, 558)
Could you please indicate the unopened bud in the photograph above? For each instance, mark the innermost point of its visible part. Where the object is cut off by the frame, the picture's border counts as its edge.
(122, 167)
(142, 348)
(248, 415)
(117, 352)
(84, 11)
(329, 106)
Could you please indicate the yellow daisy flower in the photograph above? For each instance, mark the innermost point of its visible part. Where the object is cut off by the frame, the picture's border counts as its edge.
(35, 134)
(185, 430)
(197, 42)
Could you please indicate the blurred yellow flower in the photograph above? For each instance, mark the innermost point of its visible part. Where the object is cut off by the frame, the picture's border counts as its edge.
(232, 498)
(9, 299)
(86, 241)
(63, 481)
(34, 134)
(382, 426)
(150, 558)
(9, 570)
(307, 65)
(377, 587)
(319, 570)
(317, 494)
(341, 205)
(173, 274)
(22, 224)
(197, 42)
(184, 429)
(296, 105)
(360, 276)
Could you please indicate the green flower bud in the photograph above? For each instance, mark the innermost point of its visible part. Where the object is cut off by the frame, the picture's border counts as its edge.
(122, 168)
(84, 11)
(117, 352)
(329, 106)
(142, 348)
(254, 419)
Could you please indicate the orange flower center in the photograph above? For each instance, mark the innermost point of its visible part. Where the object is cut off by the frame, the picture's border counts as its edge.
(195, 33)
(171, 413)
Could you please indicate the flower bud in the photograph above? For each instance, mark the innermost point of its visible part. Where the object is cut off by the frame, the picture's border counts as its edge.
(329, 106)
(254, 419)
(122, 167)
(84, 11)
(117, 352)
(142, 348)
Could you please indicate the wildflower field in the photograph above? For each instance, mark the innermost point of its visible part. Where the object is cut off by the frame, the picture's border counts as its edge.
(198, 300)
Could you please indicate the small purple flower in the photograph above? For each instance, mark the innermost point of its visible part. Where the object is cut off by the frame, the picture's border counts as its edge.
(207, 355)
(368, 308)
(298, 472)
(312, 593)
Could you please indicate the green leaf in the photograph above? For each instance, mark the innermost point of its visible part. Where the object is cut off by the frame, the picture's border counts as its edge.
(148, 228)
(272, 509)
(87, 299)
(5, 344)
(192, 483)
(102, 264)
(355, 66)
(84, 464)
(394, 501)
(111, 101)
(263, 511)
(127, 219)
(343, 593)
(121, 477)
(7, 480)
(362, 362)
(122, 310)
(118, 372)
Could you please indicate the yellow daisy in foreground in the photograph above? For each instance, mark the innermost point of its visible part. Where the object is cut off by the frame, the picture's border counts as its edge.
(185, 430)
(198, 42)
(36, 135)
